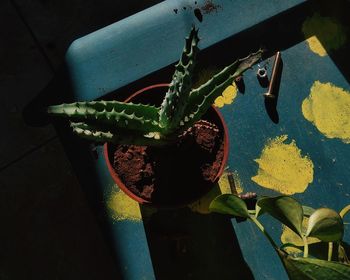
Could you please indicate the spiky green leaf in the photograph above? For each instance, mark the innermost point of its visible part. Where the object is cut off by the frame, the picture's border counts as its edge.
(111, 113)
(175, 101)
(119, 136)
(203, 97)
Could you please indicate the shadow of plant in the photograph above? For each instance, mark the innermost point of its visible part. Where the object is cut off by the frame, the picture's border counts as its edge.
(188, 245)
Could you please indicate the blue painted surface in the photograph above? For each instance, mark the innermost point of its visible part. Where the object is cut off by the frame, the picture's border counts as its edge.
(152, 39)
(127, 238)
(250, 128)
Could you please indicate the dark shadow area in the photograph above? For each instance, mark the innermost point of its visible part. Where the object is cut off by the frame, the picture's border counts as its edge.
(82, 155)
(271, 102)
(337, 12)
(262, 78)
(274, 34)
(271, 109)
(346, 247)
(188, 245)
(71, 20)
(58, 91)
(240, 84)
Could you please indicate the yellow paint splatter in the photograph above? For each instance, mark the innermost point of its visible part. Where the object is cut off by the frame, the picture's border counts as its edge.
(224, 184)
(238, 183)
(323, 34)
(289, 236)
(121, 207)
(219, 102)
(282, 167)
(328, 108)
(202, 205)
(227, 97)
(316, 46)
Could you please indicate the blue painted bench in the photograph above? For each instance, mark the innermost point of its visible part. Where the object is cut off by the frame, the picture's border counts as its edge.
(126, 51)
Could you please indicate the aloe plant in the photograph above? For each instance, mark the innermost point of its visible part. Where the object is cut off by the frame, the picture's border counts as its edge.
(129, 123)
(325, 224)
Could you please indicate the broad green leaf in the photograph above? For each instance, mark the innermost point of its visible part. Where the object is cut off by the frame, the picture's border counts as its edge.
(315, 269)
(290, 245)
(229, 204)
(285, 209)
(308, 210)
(325, 224)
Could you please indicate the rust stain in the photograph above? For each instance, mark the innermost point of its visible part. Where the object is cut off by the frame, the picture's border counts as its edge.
(210, 7)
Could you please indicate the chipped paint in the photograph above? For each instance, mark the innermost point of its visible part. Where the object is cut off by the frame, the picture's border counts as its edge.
(202, 205)
(328, 108)
(289, 236)
(122, 207)
(227, 97)
(282, 167)
(323, 34)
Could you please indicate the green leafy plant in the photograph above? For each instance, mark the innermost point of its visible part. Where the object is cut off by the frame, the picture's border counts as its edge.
(325, 224)
(128, 123)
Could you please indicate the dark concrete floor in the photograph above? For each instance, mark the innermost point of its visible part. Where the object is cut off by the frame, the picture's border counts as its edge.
(48, 230)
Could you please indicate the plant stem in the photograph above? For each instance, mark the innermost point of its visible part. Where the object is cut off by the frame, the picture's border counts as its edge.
(251, 212)
(262, 229)
(344, 211)
(306, 247)
(330, 250)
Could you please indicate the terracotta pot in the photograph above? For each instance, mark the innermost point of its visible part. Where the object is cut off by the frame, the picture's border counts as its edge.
(142, 96)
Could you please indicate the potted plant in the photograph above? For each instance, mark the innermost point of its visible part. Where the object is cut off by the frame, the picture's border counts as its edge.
(156, 137)
(325, 225)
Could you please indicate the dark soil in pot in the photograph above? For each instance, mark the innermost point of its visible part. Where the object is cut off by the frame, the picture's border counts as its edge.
(173, 174)
(176, 174)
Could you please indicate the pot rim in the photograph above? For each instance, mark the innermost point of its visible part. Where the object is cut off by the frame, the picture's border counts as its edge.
(139, 199)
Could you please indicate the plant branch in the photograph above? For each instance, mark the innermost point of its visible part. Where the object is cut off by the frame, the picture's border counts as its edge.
(330, 251)
(344, 211)
(306, 247)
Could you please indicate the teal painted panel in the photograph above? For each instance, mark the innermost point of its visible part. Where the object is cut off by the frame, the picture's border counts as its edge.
(250, 128)
(127, 237)
(127, 50)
